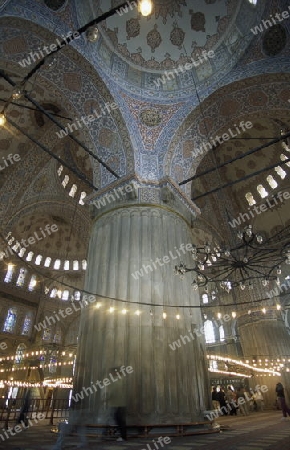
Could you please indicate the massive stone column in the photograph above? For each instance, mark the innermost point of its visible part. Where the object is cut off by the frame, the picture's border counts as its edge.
(145, 230)
(264, 337)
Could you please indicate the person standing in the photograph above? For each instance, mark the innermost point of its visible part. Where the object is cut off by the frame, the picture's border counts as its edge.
(215, 398)
(222, 401)
(231, 399)
(281, 400)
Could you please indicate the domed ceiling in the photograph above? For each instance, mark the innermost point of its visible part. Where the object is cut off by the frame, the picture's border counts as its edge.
(177, 31)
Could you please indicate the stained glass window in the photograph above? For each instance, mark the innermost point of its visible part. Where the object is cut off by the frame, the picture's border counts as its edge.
(29, 256)
(73, 190)
(9, 274)
(65, 295)
(262, 191)
(222, 333)
(282, 174)
(272, 182)
(27, 324)
(47, 334)
(57, 336)
(47, 262)
(32, 283)
(82, 197)
(65, 181)
(57, 264)
(21, 277)
(19, 355)
(38, 260)
(250, 198)
(10, 321)
(209, 332)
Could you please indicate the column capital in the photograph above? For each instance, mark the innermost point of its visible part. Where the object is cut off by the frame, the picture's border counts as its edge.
(133, 191)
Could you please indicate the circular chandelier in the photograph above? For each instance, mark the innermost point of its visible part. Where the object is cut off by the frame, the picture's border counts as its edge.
(253, 259)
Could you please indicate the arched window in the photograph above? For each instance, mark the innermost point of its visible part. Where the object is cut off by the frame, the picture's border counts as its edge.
(47, 333)
(213, 295)
(57, 336)
(82, 197)
(282, 174)
(52, 366)
(10, 321)
(272, 182)
(57, 264)
(204, 298)
(65, 294)
(27, 324)
(250, 199)
(262, 191)
(66, 265)
(19, 355)
(77, 295)
(283, 158)
(22, 251)
(29, 256)
(59, 170)
(209, 332)
(65, 181)
(73, 190)
(84, 264)
(47, 262)
(53, 293)
(222, 333)
(38, 260)
(21, 277)
(75, 265)
(9, 273)
(32, 283)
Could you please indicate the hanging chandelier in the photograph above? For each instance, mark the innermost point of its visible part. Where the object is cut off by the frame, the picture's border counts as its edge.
(254, 259)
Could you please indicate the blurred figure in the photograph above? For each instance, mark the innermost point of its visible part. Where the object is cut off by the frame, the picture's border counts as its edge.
(222, 401)
(258, 399)
(25, 408)
(66, 428)
(215, 398)
(281, 400)
(241, 400)
(117, 403)
(231, 399)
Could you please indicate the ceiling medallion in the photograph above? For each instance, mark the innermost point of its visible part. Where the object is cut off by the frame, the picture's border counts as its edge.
(177, 36)
(154, 38)
(197, 21)
(132, 28)
(150, 117)
(164, 8)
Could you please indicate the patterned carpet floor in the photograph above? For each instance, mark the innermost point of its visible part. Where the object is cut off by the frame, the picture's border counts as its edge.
(258, 431)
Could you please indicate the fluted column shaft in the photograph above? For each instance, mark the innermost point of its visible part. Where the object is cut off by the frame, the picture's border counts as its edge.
(166, 385)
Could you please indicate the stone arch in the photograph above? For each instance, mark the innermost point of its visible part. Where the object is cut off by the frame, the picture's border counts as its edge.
(261, 96)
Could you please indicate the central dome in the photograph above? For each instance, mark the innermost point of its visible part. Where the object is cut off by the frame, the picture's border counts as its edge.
(138, 49)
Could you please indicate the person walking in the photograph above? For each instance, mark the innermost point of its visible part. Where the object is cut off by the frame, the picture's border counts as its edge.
(281, 400)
